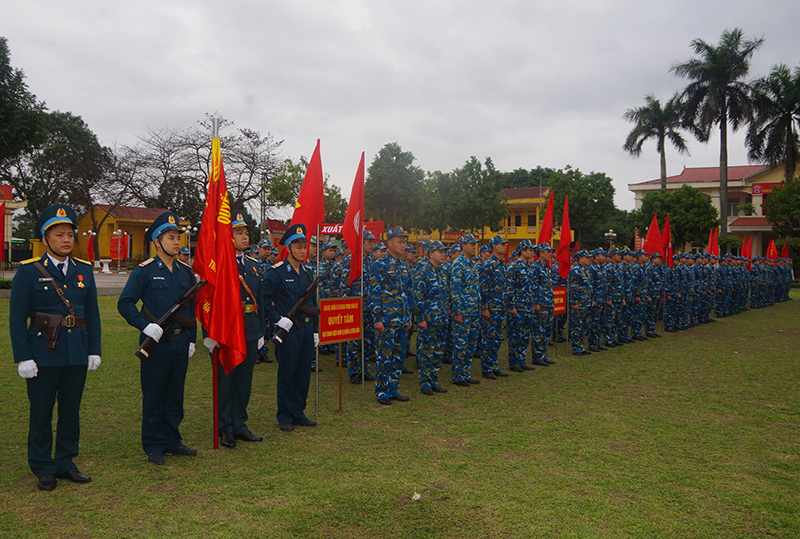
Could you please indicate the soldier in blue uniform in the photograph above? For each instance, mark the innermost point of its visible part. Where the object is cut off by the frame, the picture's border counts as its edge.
(559, 322)
(521, 298)
(353, 348)
(183, 255)
(654, 274)
(282, 286)
(580, 300)
(264, 262)
(235, 387)
(494, 304)
(58, 294)
(640, 294)
(391, 311)
(452, 253)
(465, 303)
(543, 305)
(431, 314)
(158, 282)
(596, 315)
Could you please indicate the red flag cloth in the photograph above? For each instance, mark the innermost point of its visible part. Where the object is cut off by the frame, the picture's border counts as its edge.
(666, 242)
(354, 223)
(563, 255)
(785, 250)
(310, 207)
(772, 251)
(716, 241)
(3, 230)
(219, 302)
(90, 247)
(652, 243)
(546, 230)
(710, 244)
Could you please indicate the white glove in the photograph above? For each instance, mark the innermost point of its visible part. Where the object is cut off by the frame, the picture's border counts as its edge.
(94, 362)
(210, 344)
(260, 343)
(27, 368)
(284, 323)
(153, 331)
(316, 339)
(192, 348)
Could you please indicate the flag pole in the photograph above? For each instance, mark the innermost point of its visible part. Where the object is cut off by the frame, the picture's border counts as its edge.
(215, 352)
(316, 348)
(363, 339)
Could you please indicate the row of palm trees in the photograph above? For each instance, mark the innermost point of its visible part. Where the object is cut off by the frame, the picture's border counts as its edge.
(719, 96)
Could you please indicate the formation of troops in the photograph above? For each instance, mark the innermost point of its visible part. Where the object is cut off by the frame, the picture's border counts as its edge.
(461, 302)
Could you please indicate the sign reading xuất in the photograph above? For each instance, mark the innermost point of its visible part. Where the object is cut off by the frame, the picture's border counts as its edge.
(559, 300)
(339, 320)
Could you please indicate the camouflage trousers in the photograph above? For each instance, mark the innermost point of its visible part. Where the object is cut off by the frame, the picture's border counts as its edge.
(671, 314)
(491, 338)
(353, 358)
(430, 352)
(651, 316)
(595, 324)
(610, 322)
(621, 316)
(519, 336)
(391, 344)
(578, 325)
(559, 323)
(540, 334)
(637, 317)
(465, 342)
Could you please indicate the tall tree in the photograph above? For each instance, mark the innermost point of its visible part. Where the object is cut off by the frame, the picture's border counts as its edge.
(652, 121)
(717, 96)
(480, 202)
(591, 203)
(22, 117)
(391, 190)
(772, 136)
(691, 214)
(782, 208)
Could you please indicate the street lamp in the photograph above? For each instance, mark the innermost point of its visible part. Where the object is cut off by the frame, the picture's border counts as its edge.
(118, 233)
(610, 236)
(189, 230)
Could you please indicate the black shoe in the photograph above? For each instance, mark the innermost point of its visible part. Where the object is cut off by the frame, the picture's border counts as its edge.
(226, 439)
(549, 362)
(595, 349)
(156, 458)
(610, 345)
(355, 379)
(48, 482)
(266, 359)
(540, 363)
(410, 354)
(711, 320)
(447, 362)
(259, 360)
(248, 436)
(562, 339)
(438, 389)
(75, 476)
(499, 373)
(586, 353)
(516, 368)
(476, 355)
(462, 383)
(387, 402)
(182, 451)
(406, 370)
(573, 353)
(601, 348)
(369, 378)
(490, 375)
(473, 381)
(304, 422)
(399, 398)
(286, 427)
(426, 391)
(527, 368)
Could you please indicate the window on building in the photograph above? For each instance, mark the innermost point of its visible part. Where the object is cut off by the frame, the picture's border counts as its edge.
(531, 219)
(733, 206)
(517, 220)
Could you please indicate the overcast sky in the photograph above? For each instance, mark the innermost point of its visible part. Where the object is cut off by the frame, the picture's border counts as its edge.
(525, 82)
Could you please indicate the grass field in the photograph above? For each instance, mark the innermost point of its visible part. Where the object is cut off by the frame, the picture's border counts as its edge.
(693, 435)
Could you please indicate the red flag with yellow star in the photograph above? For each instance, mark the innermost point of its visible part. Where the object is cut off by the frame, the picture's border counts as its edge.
(310, 207)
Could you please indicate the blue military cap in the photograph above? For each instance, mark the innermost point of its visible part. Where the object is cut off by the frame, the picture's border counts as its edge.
(344, 246)
(295, 232)
(368, 235)
(435, 245)
(655, 255)
(163, 223)
(396, 232)
(544, 246)
(454, 248)
(676, 257)
(184, 251)
(313, 240)
(265, 243)
(639, 252)
(238, 218)
(410, 248)
(328, 245)
(497, 240)
(626, 251)
(614, 251)
(274, 251)
(56, 214)
(485, 248)
(600, 251)
(467, 238)
(583, 253)
(525, 244)
(380, 246)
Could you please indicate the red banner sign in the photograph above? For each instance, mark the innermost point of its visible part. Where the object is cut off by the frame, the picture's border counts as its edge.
(116, 252)
(334, 229)
(763, 188)
(339, 320)
(560, 300)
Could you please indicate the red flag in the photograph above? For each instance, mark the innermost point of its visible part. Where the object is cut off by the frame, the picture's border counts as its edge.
(710, 244)
(546, 231)
(772, 251)
(652, 243)
(354, 223)
(90, 247)
(666, 242)
(715, 242)
(310, 207)
(563, 255)
(3, 230)
(219, 302)
(748, 250)
(785, 250)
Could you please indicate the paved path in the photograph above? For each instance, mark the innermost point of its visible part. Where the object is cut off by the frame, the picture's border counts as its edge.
(108, 284)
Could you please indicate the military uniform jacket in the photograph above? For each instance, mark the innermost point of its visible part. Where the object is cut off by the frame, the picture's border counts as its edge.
(32, 292)
(465, 292)
(520, 286)
(580, 288)
(159, 289)
(542, 286)
(638, 282)
(655, 280)
(615, 291)
(430, 292)
(494, 285)
(389, 291)
(281, 288)
(597, 277)
(254, 321)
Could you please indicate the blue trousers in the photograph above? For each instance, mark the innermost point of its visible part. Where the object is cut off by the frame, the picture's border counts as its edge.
(465, 341)
(391, 350)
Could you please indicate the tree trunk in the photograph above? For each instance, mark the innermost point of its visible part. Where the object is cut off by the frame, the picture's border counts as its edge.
(663, 166)
(723, 174)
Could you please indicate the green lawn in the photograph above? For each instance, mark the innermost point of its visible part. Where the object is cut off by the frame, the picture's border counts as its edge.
(693, 435)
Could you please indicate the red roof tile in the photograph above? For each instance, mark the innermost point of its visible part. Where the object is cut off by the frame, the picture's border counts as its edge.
(708, 174)
(129, 212)
(526, 192)
(276, 226)
(755, 220)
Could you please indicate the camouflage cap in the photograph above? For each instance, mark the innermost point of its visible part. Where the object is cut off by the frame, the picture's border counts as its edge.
(396, 232)
(435, 245)
(467, 238)
(497, 240)
(544, 246)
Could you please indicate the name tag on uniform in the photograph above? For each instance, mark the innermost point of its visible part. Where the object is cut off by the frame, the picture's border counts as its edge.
(159, 278)
(289, 280)
(45, 279)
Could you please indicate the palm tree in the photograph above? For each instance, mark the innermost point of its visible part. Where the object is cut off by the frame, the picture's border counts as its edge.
(718, 96)
(772, 136)
(653, 121)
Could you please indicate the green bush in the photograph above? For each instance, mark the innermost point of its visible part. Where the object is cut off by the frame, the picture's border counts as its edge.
(5, 284)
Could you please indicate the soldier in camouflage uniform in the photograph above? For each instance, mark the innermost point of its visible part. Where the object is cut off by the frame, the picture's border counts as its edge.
(654, 274)
(673, 295)
(521, 297)
(627, 294)
(559, 322)
(580, 300)
(596, 315)
(264, 263)
(431, 314)
(494, 303)
(616, 294)
(640, 293)
(452, 253)
(465, 302)
(543, 304)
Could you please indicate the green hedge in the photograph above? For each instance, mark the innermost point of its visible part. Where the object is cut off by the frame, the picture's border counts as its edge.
(5, 284)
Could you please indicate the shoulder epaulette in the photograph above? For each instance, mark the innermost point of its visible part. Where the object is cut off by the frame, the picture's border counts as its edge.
(278, 265)
(254, 259)
(146, 262)
(82, 261)
(181, 261)
(30, 261)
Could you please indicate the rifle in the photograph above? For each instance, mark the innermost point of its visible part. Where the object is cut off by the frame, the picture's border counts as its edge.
(168, 318)
(300, 306)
